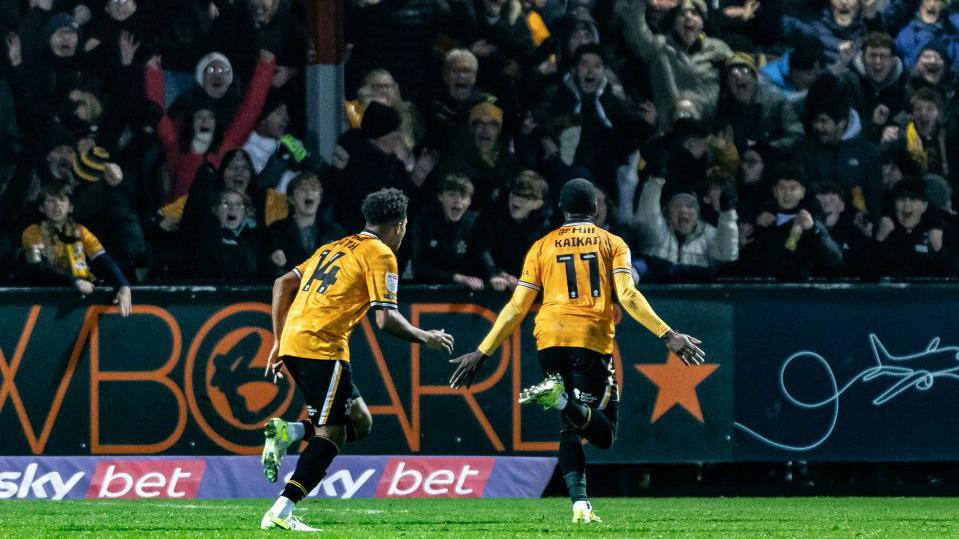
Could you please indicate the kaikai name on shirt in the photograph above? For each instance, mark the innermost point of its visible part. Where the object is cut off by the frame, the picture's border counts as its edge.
(580, 241)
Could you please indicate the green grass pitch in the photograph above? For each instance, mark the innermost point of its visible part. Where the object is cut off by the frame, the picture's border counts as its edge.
(623, 517)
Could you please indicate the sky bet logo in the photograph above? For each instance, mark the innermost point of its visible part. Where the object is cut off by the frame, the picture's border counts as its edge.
(401, 477)
(146, 479)
(29, 483)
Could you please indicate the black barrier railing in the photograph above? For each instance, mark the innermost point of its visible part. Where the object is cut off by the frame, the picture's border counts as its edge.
(820, 371)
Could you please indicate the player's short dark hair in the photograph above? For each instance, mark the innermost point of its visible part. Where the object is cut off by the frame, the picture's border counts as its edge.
(384, 206)
(578, 197)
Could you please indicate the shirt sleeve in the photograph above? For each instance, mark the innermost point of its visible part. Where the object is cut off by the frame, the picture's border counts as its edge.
(301, 268)
(531, 276)
(383, 281)
(92, 247)
(622, 259)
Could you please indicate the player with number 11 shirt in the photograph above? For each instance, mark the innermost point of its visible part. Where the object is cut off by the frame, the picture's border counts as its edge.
(577, 267)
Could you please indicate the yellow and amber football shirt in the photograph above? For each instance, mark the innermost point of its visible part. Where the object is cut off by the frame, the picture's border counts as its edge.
(573, 266)
(338, 284)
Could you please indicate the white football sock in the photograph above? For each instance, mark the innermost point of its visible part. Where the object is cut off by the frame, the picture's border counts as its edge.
(584, 504)
(282, 507)
(296, 430)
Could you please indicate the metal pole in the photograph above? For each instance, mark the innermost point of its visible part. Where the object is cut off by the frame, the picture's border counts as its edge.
(324, 75)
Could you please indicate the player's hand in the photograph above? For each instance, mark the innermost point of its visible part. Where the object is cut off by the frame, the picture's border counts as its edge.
(274, 365)
(437, 339)
(467, 367)
(684, 346)
(124, 300)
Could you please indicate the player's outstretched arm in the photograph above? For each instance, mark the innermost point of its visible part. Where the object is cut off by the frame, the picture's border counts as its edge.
(634, 303)
(469, 365)
(284, 289)
(394, 323)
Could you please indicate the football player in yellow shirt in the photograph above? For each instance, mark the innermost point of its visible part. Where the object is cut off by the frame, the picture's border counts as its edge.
(315, 308)
(576, 267)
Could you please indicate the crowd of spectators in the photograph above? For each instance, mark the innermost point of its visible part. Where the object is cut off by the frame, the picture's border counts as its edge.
(149, 141)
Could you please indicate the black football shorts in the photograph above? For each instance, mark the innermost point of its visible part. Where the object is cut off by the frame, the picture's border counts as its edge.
(589, 377)
(327, 388)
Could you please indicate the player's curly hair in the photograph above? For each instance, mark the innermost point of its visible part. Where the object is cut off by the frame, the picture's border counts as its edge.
(578, 197)
(384, 206)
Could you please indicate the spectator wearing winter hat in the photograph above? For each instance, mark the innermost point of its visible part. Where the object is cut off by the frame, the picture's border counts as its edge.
(217, 88)
(753, 112)
(202, 137)
(62, 251)
(676, 242)
(611, 129)
(934, 69)
(41, 81)
(366, 160)
(98, 202)
(684, 61)
(486, 160)
(878, 83)
(909, 242)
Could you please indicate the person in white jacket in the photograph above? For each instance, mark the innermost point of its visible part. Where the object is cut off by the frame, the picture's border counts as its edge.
(673, 232)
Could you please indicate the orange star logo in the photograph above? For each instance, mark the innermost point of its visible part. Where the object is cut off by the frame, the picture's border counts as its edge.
(677, 385)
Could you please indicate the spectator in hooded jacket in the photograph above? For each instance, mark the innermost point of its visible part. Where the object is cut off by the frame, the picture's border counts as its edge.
(443, 238)
(843, 25)
(610, 128)
(933, 70)
(755, 113)
(930, 23)
(878, 83)
(830, 154)
(793, 73)
(683, 61)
